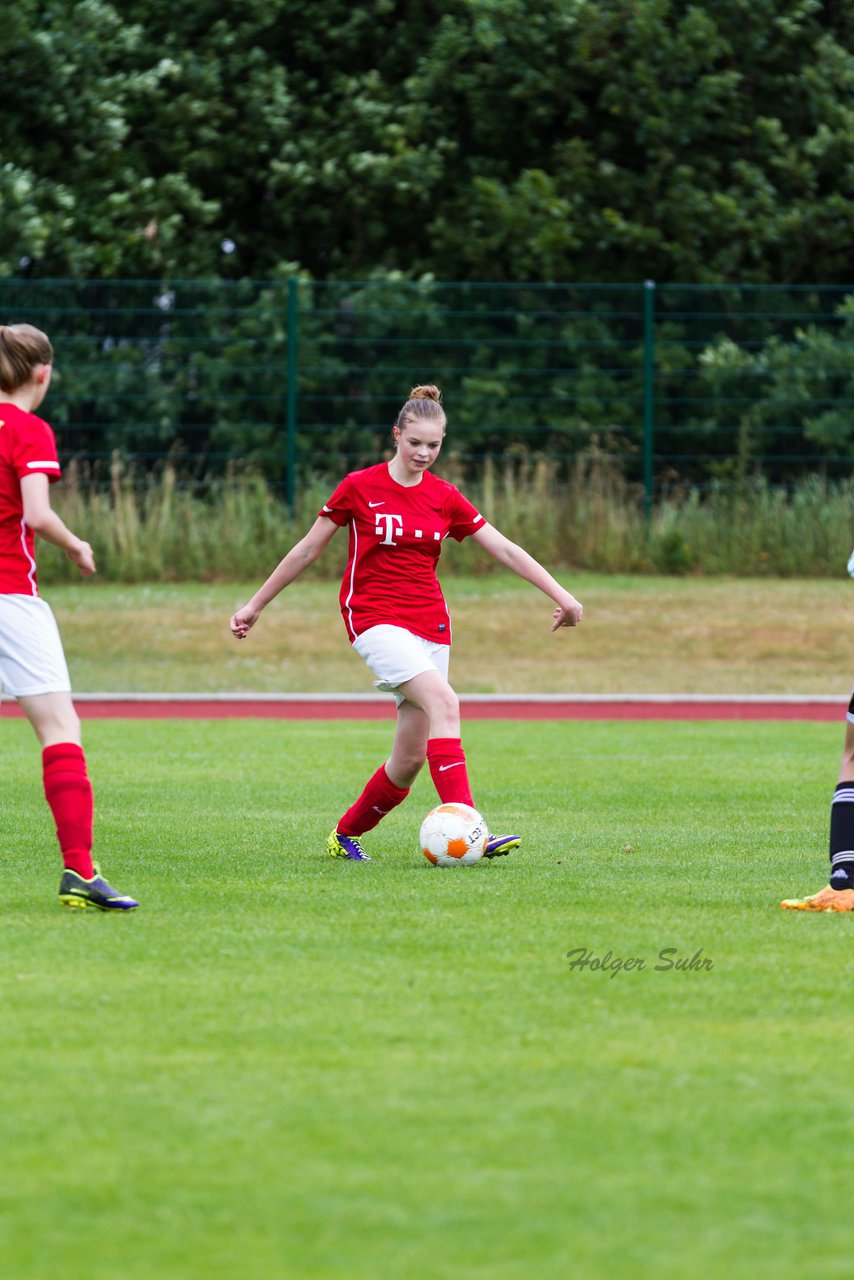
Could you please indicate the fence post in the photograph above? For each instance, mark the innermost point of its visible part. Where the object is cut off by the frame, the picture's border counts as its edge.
(648, 394)
(291, 444)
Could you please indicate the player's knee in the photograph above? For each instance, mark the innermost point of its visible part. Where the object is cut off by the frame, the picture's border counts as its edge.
(63, 727)
(449, 703)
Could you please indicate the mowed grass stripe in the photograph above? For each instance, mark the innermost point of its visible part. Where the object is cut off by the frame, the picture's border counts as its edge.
(284, 1066)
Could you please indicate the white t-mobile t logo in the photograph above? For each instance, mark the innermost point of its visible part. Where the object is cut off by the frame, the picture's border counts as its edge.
(388, 525)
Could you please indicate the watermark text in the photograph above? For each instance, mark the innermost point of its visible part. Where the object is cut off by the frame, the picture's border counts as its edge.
(668, 959)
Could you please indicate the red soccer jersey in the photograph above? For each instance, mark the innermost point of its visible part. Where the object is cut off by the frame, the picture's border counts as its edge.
(27, 446)
(396, 534)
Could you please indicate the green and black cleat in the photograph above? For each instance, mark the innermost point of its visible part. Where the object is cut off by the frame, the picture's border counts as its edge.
(74, 891)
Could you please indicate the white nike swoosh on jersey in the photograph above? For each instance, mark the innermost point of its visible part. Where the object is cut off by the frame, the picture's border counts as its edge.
(377, 504)
(455, 765)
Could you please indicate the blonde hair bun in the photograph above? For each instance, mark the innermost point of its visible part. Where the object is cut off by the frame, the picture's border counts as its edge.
(426, 393)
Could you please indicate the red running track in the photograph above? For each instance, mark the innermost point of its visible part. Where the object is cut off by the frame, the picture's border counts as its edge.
(474, 707)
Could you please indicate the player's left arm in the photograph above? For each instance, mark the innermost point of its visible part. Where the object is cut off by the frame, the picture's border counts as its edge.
(43, 520)
(568, 611)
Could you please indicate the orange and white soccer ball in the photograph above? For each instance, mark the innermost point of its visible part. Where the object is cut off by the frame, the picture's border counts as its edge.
(453, 835)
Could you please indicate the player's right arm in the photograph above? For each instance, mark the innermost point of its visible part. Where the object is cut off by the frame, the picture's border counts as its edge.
(43, 520)
(298, 558)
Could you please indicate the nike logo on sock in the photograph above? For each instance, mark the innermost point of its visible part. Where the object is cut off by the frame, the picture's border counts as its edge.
(455, 765)
(377, 504)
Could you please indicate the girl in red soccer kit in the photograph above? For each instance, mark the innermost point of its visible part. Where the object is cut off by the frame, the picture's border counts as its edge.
(32, 662)
(398, 514)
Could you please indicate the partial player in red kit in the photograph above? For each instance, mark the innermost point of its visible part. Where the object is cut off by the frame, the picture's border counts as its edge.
(32, 662)
(398, 514)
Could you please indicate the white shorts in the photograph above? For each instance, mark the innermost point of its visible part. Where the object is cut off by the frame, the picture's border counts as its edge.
(31, 656)
(395, 655)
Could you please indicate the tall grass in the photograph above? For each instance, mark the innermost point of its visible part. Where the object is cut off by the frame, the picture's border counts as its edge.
(157, 530)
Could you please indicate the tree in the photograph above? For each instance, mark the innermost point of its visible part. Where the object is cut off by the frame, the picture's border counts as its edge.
(608, 140)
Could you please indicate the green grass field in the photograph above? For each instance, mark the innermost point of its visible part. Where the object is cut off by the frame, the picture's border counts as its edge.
(285, 1068)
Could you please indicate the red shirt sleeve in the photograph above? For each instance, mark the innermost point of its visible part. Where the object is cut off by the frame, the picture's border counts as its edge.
(465, 519)
(34, 450)
(340, 506)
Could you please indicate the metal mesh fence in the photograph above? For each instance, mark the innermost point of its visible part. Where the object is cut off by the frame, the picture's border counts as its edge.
(678, 384)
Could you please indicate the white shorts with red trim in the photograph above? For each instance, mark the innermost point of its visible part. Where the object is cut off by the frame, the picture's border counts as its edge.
(395, 655)
(32, 660)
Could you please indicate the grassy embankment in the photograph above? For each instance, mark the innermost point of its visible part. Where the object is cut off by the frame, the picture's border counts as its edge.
(639, 635)
(766, 608)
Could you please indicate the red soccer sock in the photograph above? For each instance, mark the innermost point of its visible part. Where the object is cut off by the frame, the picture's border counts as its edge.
(69, 794)
(379, 797)
(447, 762)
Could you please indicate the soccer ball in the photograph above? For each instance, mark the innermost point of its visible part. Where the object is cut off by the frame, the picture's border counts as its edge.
(453, 835)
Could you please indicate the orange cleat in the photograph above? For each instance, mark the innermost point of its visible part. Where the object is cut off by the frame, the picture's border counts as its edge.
(826, 899)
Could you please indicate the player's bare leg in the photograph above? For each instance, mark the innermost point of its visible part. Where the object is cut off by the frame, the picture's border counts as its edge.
(409, 749)
(53, 718)
(386, 789)
(431, 693)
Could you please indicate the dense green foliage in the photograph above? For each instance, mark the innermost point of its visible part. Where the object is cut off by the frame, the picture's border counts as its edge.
(509, 139)
(480, 141)
(225, 375)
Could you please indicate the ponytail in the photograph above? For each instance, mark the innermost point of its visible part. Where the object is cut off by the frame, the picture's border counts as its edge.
(22, 349)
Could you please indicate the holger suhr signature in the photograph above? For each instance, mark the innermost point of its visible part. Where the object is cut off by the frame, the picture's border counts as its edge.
(667, 959)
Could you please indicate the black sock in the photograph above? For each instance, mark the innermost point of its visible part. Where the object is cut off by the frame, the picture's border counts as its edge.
(842, 837)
